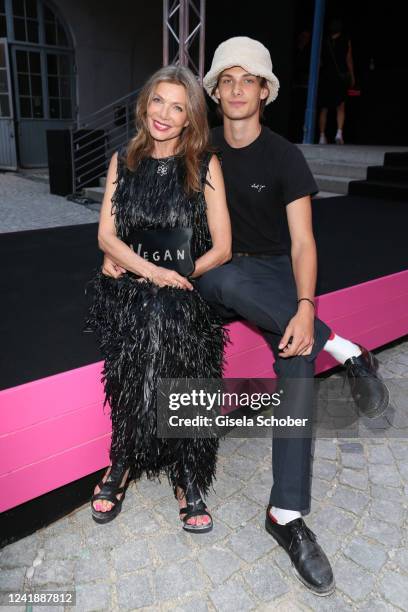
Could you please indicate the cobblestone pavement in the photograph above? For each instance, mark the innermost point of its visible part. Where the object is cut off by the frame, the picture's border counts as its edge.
(143, 559)
(27, 204)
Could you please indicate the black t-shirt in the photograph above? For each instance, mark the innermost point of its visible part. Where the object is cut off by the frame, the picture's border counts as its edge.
(260, 180)
(334, 56)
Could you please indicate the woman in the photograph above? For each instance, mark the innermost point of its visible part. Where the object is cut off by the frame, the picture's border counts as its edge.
(151, 322)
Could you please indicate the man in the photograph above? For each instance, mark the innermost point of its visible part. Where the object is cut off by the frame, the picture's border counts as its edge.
(336, 77)
(266, 176)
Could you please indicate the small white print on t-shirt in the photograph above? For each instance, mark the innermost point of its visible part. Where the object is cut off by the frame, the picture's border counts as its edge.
(258, 187)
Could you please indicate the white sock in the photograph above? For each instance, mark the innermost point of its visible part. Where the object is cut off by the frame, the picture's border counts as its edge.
(341, 348)
(283, 516)
(339, 133)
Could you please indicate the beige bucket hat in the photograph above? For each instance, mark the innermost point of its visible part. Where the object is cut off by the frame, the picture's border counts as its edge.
(248, 53)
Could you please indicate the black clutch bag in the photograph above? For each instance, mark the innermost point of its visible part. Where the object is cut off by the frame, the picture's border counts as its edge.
(168, 248)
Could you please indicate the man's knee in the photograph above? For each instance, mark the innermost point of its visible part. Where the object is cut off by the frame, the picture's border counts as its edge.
(209, 285)
(213, 284)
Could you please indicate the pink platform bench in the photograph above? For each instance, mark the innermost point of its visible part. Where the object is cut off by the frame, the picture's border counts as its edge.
(53, 430)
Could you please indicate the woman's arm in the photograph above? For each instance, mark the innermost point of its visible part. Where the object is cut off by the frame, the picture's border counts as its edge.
(108, 241)
(120, 252)
(218, 221)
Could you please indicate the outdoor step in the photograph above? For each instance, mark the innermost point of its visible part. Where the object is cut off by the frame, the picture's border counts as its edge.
(350, 154)
(396, 159)
(94, 193)
(394, 174)
(379, 189)
(334, 184)
(327, 194)
(324, 167)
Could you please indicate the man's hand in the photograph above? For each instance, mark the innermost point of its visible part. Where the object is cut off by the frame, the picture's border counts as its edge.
(110, 268)
(300, 330)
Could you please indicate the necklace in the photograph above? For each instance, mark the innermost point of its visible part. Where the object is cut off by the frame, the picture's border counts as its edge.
(162, 164)
(162, 167)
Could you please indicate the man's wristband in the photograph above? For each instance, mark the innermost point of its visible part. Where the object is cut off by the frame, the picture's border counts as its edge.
(307, 300)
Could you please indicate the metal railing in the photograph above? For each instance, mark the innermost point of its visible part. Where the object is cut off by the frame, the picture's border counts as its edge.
(97, 136)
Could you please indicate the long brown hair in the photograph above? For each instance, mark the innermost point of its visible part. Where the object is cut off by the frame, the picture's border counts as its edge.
(194, 139)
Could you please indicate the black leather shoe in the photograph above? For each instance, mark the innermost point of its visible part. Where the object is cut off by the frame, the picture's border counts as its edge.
(309, 563)
(367, 387)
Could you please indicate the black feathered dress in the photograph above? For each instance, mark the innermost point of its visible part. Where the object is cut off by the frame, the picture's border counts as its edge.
(146, 332)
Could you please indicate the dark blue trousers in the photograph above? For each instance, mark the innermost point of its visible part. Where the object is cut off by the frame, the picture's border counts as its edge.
(263, 291)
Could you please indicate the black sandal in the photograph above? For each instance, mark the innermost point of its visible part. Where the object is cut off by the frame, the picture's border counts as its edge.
(108, 490)
(195, 505)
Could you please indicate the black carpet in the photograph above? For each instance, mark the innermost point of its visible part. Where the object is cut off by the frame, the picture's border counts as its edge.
(43, 303)
(358, 239)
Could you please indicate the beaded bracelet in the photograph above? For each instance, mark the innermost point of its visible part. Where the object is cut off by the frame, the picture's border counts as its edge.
(307, 300)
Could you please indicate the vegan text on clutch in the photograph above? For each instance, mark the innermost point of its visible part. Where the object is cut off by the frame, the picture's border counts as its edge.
(166, 255)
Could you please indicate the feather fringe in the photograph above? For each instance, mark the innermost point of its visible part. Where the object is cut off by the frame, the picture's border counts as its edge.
(155, 333)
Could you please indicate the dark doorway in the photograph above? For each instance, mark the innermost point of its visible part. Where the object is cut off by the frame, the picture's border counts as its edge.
(376, 113)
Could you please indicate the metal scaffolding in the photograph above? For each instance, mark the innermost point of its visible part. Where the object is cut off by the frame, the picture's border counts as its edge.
(184, 34)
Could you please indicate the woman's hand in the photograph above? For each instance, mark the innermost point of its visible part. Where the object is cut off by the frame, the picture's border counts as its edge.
(301, 329)
(168, 278)
(110, 268)
(158, 275)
